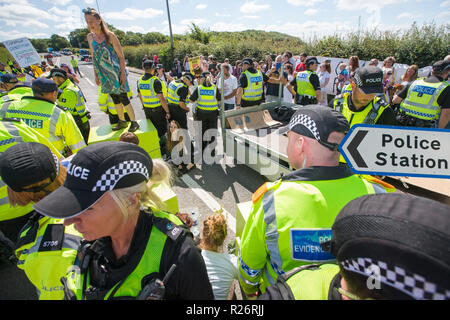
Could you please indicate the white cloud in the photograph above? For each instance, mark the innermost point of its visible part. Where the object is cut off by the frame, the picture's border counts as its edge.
(252, 7)
(444, 14)
(201, 6)
(89, 1)
(303, 3)
(59, 2)
(408, 15)
(231, 27)
(196, 21)
(250, 17)
(132, 14)
(369, 6)
(223, 14)
(174, 1)
(310, 12)
(14, 34)
(445, 4)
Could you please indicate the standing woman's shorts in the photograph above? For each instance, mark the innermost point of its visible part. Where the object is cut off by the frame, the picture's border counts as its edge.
(120, 98)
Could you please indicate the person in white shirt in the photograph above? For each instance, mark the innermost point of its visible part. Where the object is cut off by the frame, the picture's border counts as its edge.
(230, 87)
(324, 78)
(221, 266)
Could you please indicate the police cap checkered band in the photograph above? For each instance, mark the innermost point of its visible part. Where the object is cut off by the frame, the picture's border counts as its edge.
(317, 122)
(412, 284)
(391, 228)
(93, 171)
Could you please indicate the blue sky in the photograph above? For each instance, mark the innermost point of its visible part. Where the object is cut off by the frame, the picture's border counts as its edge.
(302, 18)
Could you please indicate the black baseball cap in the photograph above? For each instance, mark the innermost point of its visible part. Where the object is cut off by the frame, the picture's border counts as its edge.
(43, 85)
(189, 76)
(441, 66)
(58, 72)
(95, 170)
(405, 237)
(317, 122)
(311, 60)
(205, 74)
(159, 66)
(8, 78)
(369, 79)
(27, 163)
(148, 64)
(247, 61)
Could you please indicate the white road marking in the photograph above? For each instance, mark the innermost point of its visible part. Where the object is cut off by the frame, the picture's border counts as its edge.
(208, 200)
(89, 81)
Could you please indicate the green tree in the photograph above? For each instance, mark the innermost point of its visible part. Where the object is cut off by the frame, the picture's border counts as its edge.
(57, 42)
(78, 38)
(40, 45)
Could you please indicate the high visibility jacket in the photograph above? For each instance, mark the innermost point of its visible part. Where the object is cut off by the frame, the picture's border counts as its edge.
(369, 115)
(19, 71)
(3, 72)
(46, 249)
(147, 89)
(106, 104)
(291, 217)
(347, 88)
(421, 100)
(172, 91)
(14, 131)
(304, 86)
(52, 121)
(17, 93)
(72, 99)
(131, 286)
(207, 98)
(254, 89)
(74, 63)
(310, 282)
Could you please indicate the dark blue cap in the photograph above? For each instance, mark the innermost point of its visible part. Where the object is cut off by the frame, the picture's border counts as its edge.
(43, 85)
(9, 78)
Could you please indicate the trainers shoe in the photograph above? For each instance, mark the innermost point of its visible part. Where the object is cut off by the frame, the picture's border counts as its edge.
(120, 125)
(133, 127)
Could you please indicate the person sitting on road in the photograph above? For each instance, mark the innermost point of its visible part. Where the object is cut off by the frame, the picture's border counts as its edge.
(45, 248)
(221, 266)
(386, 249)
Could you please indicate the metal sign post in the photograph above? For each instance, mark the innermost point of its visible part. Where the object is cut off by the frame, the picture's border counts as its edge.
(397, 151)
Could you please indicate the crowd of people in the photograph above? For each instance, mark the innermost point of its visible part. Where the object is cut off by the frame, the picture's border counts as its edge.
(106, 235)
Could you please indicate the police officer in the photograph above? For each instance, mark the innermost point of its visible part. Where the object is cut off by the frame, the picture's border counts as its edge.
(207, 96)
(106, 105)
(129, 252)
(250, 90)
(426, 101)
(12, 132)
(49, 119)
(150, 92)
(291, 216)
(18, 71)
(75, 67)
(386, 249)
(306, 85)
(176, 96)
(2, 69)
(13, 88)
(72, 99)
(45, 249)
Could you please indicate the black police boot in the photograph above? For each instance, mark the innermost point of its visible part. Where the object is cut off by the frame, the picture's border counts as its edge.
(133, 127)
(120, 125)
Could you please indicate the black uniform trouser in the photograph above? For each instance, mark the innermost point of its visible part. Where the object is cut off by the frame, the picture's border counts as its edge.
(180, 116)
(209, 121)
(84, 129)
(304, 101)
(158, 117)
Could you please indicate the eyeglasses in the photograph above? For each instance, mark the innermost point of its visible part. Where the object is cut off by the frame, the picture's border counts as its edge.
(350, 295)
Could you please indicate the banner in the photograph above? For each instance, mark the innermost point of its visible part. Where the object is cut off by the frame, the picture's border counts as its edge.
(23, 52)
(194, 62)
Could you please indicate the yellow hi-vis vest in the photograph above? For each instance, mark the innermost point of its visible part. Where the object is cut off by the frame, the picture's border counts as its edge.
(304, 86)
(147, 89)
(13, 131)
(46, 250)
(207, 98)
(74, 63)
(73, 100)
(16, 93)
(172, 92)
(52, 121)
(288, 221)
(369, 115)
(131, 286)
(421, 101)
(106, 104)
(254, 89)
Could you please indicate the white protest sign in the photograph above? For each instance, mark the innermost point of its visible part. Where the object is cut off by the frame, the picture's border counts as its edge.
(399, 151)
(23, 52)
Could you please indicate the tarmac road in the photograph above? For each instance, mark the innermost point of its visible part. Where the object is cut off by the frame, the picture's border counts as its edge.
(202, 190)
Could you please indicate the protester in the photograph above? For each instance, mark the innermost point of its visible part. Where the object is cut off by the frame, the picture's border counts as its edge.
(301, 66)
(130, 242)
(353, 64)
(229, 88)
(221, 266)
(72, 76)
(109, 67)
(410, 75)
(324, 78)
(237, 69)
(287, 95)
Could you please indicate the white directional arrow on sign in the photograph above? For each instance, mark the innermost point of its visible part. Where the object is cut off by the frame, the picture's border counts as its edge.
(399, 151)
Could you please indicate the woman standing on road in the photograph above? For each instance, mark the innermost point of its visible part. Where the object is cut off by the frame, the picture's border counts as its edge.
(109, 66)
